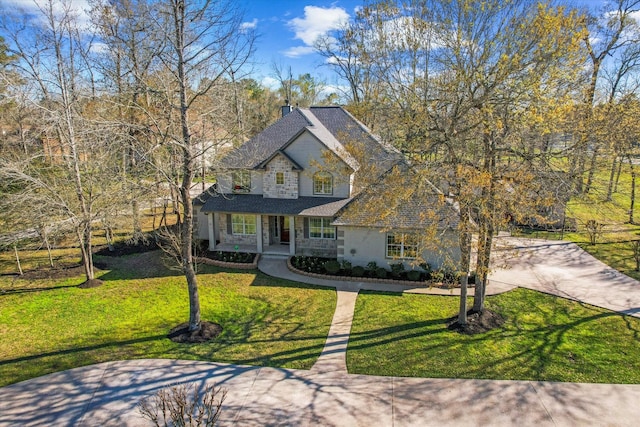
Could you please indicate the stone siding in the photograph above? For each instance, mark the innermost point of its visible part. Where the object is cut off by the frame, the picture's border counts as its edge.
(318, 247)
(288, 190)
(232, 238)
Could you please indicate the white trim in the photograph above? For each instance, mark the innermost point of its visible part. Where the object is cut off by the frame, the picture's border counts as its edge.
(211, 230)
(259, 233)
(292, 236)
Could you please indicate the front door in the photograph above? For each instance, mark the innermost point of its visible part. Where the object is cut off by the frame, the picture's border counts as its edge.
(284, 229)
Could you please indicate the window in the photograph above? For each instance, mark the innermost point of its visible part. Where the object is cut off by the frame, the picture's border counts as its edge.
(322, 183)
(321, 228)
(402, 245)
(242, 182)
(279, 178)
(243, 224)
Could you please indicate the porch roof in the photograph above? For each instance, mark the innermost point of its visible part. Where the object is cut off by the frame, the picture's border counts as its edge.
(257, 204)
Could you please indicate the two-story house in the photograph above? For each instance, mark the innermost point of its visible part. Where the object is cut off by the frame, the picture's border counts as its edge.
(291, 190)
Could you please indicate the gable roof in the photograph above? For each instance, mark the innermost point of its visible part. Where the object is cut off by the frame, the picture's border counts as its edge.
(400, 200)
(332, 126)
(266, 161)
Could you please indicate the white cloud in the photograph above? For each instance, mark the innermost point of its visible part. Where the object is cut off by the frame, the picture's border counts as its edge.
(249, 25)
(79, 8)
(271, 83)
(297, 51)
(317, 22)
(99, 47)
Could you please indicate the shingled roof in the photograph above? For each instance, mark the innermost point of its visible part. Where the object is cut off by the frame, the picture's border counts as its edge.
(400, 200)
(332, 126)
(252, 203)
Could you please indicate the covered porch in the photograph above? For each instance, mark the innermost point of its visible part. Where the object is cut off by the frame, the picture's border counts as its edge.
(274, 234)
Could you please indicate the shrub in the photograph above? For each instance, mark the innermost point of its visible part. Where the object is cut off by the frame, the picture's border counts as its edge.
(397, 269)
(437, 276)
(332, 267)
(451, 277)
(381, 273)
(241, 257)
(372, 267)
(413, 275)
(428, 270)
(184, 405)
(357, 271)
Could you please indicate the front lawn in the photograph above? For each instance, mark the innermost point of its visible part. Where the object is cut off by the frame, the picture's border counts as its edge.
(545, 338)
(49, 325)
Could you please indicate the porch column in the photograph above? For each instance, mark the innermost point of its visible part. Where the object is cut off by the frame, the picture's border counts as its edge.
(212, 235)
(292, 236)
(259, 233)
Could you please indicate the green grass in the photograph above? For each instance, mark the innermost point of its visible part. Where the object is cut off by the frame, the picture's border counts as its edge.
(613, 246)
(545, 338)
(51, 325)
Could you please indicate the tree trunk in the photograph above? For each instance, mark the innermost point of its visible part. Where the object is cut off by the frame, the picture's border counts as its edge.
(615, 188)
(137, 229)
(611, 178)
(482, 268)
(15, 251)
(633, 191)
(465, 261)
(186, 227)
(592, 169)
(45, 238)
(85, 250)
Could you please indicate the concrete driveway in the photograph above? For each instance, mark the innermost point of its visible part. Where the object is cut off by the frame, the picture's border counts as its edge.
(563, 269)
(107, 395)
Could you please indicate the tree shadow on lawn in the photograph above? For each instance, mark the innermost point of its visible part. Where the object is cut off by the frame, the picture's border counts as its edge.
(12, 291)
(540, 351)
(145, 265)
(74, 350)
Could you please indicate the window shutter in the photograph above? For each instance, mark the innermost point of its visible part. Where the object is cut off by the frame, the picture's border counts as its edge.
(229, 229)
(306, 228)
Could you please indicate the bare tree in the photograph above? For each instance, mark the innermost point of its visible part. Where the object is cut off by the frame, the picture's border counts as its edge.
(53, 54)
(610, 37)
(203, 42)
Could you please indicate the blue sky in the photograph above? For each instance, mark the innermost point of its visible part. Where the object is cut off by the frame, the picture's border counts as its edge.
(287, 29)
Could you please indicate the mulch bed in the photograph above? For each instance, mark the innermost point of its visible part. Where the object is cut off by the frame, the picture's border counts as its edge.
(58, 272)
(124, 248)
(91, 283)
(208, 331)
(477, 323)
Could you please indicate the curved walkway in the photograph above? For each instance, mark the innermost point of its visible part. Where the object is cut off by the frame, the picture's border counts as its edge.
(333, 356)
(107, 394)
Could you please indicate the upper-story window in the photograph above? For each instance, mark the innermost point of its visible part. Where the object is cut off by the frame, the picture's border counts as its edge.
(241, 182)
(279, 178)
(322, 183)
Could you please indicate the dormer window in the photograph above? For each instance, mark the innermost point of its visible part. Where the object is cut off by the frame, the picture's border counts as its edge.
(242, 182)
(322, 183)
(279, 178)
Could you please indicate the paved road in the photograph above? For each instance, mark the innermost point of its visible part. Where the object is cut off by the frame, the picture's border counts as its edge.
(107, 394)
